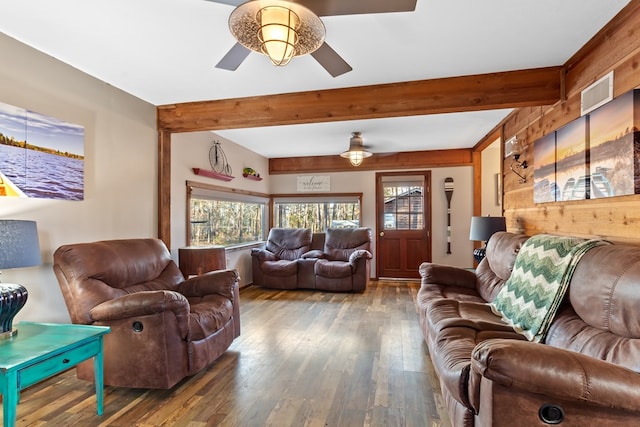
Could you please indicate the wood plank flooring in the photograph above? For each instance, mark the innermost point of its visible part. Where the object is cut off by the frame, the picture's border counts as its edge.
(304, 358)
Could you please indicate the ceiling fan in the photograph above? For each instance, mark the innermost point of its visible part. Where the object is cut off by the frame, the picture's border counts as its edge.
(328, 58)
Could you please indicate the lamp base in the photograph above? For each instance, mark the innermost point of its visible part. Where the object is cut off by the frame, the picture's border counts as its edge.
(12, 298)
(479, 254)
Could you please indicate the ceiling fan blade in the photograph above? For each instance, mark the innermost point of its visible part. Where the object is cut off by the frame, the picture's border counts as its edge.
(229, 2)
(331, 61)
(355, 7)
(232, 60)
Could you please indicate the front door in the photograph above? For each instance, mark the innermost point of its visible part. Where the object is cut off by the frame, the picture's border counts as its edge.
(403, 206)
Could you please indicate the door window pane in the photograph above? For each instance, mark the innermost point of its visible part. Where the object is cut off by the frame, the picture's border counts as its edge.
(403, 206)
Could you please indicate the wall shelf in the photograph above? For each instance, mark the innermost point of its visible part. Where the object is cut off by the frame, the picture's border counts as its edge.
(212, 174)
(253, 177)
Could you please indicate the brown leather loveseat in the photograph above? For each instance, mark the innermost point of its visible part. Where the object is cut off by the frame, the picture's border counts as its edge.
(583, 372)
(163, 327)
(337, 260)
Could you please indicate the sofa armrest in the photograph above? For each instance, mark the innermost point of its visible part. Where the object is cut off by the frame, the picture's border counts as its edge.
(554, 372)
(315, 253)
(447, 275)
(140, 304)
(263, 255)
(221, 282)
(358, 255)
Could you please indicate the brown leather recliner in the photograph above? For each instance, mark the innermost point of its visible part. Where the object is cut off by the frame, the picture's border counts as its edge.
(346, 262)
(276, 265)
(163, 327)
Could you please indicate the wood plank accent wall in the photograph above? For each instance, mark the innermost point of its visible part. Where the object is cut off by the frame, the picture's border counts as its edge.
(616, 47)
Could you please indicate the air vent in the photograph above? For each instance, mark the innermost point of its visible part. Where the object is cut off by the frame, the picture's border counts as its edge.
(599, 93)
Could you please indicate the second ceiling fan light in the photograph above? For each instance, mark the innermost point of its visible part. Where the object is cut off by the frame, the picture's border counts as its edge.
(356, 153)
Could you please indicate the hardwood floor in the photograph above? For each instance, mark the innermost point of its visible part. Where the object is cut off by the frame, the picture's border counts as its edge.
(304, 358)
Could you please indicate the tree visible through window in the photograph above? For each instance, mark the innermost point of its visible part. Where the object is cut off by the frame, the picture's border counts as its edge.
(317, 213)
(217, 219)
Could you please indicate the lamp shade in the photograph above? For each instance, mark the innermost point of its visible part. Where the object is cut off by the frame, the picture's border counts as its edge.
(19, 246)
(483, 227)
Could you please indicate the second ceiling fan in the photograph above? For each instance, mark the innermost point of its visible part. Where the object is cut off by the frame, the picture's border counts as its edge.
(284, 29)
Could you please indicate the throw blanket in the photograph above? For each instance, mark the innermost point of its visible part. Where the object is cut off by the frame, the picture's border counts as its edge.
(540, 277)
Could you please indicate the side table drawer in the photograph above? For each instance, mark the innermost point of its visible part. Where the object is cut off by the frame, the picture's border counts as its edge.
(47, 368)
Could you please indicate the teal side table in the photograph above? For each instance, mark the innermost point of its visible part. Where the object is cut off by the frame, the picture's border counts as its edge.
(39, 351)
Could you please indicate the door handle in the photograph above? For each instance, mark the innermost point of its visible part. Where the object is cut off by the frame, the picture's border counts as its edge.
(382, 234)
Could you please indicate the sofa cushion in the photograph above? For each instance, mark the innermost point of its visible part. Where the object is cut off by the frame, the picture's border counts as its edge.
(335, 269)
(612, 305)
(446, 313)
(281, 268)
(208, 315)
(570, 332)
(495, 269)
(451, 356)
(340, 243)
(289, 243)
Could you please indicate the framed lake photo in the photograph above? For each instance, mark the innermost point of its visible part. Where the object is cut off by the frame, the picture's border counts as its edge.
(40, 156)
(572, 175)
(545, 186)
(615, 147)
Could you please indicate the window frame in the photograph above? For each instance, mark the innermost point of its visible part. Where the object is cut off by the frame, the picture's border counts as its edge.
(228, 194)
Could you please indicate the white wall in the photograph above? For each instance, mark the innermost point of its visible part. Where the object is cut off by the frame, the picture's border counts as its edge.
(461, 207)
(120, 167)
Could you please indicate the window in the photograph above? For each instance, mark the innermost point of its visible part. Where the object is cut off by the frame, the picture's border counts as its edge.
(317, 212)
(219, 217)
(403, 204)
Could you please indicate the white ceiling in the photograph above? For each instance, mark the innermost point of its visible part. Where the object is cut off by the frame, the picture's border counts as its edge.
(164, 51)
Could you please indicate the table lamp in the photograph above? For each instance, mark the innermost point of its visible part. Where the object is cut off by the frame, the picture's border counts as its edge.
(482, 228)
(19, 247)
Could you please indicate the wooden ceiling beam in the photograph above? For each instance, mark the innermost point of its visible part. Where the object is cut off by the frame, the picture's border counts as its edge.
(378, 161)
(510, 89)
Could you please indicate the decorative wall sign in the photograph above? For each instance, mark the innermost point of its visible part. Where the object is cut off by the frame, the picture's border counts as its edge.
(40, 156)
(311, 183)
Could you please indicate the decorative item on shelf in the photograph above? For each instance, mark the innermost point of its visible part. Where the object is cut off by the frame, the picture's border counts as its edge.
(250, 173)
(482, 228)
(219, 164)
(19, 247)
(218, 160)
(356, 152)
(514, 149)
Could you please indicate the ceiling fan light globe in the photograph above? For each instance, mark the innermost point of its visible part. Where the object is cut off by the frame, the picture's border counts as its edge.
(277, 34)
(254, 23)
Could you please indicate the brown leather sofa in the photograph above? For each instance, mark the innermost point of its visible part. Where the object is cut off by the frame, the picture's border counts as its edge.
(337, 260)
(584, 373)
(163, 327)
